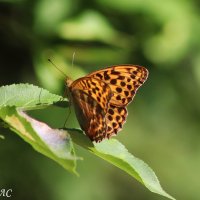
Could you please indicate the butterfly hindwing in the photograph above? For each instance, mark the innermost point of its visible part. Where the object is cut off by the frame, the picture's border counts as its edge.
(115, 118)
(95, 88)
(90, 98)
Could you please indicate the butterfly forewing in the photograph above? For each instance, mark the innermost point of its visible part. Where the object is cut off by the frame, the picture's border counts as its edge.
(123, 80)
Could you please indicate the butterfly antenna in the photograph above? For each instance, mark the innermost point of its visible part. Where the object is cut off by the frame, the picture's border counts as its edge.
(58, 68)
(73, 57)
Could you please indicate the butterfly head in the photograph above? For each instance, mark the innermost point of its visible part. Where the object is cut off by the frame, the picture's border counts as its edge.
(68, 82)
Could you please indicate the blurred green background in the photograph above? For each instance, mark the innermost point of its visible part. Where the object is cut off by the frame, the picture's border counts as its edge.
(163, 126)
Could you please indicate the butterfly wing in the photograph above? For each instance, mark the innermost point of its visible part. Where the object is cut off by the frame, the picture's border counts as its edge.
(124, 81)
(90, 98)
(115, 118)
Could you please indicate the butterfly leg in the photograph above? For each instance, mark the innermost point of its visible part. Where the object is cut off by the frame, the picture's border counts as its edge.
(64, 95)
(69, 104)
(67, 117)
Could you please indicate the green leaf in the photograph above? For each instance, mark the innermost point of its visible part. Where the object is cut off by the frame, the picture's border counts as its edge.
(90, 26)
(26, 96)
(115, 153)
(53, 143)
(57, 144)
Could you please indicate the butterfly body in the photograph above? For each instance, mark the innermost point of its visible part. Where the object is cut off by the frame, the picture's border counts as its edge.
(100, 98)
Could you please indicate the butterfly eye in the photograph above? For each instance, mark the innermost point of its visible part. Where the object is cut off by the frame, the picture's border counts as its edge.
(68, 82)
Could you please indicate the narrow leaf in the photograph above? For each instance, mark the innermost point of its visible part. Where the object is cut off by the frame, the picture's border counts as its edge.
(53, 143)
(114, 152)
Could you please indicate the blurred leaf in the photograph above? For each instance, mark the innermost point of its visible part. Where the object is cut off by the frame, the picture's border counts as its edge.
(196, 68)
(172, 40)
(171, 43)
(2, 137)
(58, 10)
(53, 143)
(91, 26)
(114, 152)
(26, 96)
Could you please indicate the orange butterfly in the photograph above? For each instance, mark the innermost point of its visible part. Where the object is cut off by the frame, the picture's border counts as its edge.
(101, 97)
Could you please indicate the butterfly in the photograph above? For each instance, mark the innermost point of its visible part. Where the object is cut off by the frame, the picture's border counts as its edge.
(101, 97)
